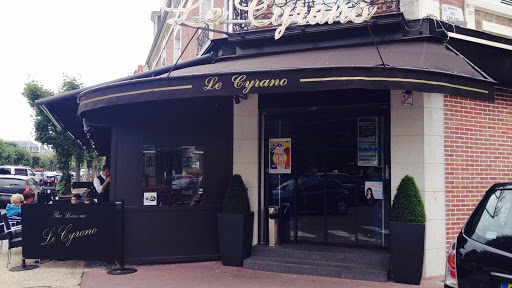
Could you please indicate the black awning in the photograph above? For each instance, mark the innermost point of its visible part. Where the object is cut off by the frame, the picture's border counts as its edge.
(418, 66)
(62, 108)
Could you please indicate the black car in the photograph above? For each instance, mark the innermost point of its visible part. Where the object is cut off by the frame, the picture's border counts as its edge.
(481, 256)
(14, 184)
(310, 194)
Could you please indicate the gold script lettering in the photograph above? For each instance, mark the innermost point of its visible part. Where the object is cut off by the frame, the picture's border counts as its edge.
(66, 235)
(56, 214)
(240, 82)
(68, 214)
(48, 236)
(212, 83)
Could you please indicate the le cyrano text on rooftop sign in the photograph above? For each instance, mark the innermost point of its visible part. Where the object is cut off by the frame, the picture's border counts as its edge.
(278, 17)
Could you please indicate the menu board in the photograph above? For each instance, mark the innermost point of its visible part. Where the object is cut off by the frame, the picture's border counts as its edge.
(368, 152)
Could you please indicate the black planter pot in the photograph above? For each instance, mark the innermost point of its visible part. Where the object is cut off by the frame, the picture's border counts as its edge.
(407, 250)
(235, 237)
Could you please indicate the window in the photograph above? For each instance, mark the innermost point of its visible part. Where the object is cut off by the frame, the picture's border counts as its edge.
(22, 172)
(491, 223)
(12, 182)
(177, 45)
(174, 174)
(162, 58)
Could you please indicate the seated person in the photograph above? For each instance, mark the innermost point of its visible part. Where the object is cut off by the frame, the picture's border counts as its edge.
(75, 198)
(13, 210)
(88, 200)
(197, 199)
(28, 196)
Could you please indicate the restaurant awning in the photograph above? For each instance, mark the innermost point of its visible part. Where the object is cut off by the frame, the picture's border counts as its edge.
(418, 66)
(62, 108)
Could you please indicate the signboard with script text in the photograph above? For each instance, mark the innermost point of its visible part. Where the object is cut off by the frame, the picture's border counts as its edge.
(71, 231)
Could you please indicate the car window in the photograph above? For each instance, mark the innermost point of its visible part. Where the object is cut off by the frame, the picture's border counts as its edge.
(491, 223)
(333, 185)
(35, 182)
(5, 171)
(22, 171)
(12, 182)
(31, 173)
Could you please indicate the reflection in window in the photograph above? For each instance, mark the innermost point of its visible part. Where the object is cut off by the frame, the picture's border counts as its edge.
(175, 174)
(492, 222)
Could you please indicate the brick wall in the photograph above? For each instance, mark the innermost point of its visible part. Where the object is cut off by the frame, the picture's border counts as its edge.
(484, 16)
(478, 153)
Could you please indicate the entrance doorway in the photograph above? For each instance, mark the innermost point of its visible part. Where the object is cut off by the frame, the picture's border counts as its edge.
(337, 155)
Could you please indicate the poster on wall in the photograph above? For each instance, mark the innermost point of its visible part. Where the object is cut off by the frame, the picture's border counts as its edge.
(150, 198)
(375, 188)
(280, 156)
(367, 142)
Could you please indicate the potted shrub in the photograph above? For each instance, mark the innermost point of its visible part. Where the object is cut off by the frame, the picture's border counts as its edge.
(407, 233)
(235, 224)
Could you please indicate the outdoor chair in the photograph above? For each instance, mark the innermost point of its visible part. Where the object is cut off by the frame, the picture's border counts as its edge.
(14, 239)
(3, 235)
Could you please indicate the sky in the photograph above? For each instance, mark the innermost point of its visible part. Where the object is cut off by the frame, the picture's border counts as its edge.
(94, 40)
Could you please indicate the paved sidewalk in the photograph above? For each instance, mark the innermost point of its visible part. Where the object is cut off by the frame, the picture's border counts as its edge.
(75, 274)
(214, 275)
(54, 274)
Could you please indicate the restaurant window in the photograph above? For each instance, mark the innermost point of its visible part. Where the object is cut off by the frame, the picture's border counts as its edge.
(173, 175)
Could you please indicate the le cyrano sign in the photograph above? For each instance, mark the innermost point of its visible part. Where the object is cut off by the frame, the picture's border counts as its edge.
(280, 17)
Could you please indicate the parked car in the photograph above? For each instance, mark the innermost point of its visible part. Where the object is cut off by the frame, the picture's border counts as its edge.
(15, 184)
(481, 256)
(310, 194)
(49, 187)
(184, 182)
(17, 170)
(39, 177)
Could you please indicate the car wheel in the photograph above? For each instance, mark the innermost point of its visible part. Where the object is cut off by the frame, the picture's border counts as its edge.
(342, 207)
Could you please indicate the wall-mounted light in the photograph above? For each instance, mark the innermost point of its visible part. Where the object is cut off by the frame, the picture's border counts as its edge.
(237, 98)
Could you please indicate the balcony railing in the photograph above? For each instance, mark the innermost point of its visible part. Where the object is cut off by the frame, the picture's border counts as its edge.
(202, 39)
(383, 7)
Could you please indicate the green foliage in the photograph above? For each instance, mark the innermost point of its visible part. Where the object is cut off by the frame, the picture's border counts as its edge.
(47, 133)
(408, 206)
(36, 162)
(11, 154)
(236, 200)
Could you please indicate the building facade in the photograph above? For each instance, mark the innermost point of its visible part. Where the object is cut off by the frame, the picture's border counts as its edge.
(357, 106)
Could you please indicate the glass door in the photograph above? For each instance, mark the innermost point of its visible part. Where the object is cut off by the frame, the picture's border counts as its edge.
(322, 199)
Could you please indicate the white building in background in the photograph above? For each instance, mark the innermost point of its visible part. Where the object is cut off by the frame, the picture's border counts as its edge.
(33, 148)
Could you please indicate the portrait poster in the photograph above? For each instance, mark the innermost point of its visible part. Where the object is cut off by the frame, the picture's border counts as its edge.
(280, 156)
(368, 152)
(376, 188)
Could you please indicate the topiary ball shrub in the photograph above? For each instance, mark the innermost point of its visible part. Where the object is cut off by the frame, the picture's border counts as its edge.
(236, 200)
(408, 206)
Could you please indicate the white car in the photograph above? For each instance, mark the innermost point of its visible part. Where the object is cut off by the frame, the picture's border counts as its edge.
(17, 170)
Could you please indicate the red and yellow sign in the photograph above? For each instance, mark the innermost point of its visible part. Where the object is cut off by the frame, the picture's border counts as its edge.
(280, 155)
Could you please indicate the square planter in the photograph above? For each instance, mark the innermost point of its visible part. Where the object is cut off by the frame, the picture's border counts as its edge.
(407, 250)
(235, 237)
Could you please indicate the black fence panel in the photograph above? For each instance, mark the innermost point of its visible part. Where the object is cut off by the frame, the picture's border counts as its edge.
(72, 231)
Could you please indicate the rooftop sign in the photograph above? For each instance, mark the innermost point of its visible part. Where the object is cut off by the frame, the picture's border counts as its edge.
(319, 14)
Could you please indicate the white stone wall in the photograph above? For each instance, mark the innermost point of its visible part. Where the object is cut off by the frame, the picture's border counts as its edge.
(415, 9)
(417, 149)
(245, 150)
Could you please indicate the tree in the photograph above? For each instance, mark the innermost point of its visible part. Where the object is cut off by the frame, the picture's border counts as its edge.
(11, 154)
(48, 134)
